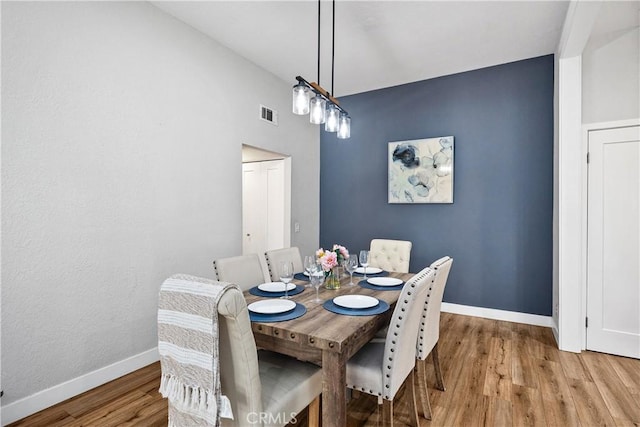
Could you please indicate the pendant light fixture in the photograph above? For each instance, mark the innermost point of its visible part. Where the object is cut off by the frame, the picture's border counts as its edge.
(313, 99)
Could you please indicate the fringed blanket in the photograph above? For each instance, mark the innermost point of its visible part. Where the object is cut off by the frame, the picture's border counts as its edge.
(188, 347)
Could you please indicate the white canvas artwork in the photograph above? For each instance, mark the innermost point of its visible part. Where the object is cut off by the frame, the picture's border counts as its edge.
(421, 170)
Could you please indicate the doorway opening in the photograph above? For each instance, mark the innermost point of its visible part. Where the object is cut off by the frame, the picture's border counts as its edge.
(266, 200)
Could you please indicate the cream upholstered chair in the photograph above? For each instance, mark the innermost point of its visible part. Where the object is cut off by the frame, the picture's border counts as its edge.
(245, 271)
(429, 334)
(277, 256)
(264, 388)
(390, 255)
(380, 368)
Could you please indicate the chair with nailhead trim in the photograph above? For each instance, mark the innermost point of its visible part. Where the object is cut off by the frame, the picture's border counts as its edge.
(390, 255)
(429, 334)
(277, 256)
(246, 271)
(380, 368)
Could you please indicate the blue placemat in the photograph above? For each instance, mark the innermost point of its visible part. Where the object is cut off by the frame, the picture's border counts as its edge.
(301, 276)
(380, 308)
(381, 274)
(280, 317)
(368, 285)
(257, 292)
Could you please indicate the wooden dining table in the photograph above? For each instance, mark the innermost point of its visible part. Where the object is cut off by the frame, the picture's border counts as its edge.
(326, 339)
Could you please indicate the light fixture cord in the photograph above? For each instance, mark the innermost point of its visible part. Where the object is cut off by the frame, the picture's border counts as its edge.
(333, 44)
(318, 42)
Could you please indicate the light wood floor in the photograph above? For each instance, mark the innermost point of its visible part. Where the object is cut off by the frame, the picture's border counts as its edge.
(496, 373)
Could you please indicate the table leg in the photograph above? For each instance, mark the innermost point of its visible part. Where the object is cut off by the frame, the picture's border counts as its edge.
(334, 382)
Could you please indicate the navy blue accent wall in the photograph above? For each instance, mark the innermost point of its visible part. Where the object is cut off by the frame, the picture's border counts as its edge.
(499, 228)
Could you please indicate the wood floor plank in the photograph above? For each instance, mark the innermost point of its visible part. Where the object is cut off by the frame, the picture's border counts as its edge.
(591, 409)
(98, 397)
(619, 400)
(627, 369)
(497, 381)
(499, 412)
(522, 369)
(527, 406)
(574, 367)
(558, 402)
(126, 400)
(52, 416)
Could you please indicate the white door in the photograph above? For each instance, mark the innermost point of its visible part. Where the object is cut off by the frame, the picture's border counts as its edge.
(253, 233)
(263, 206)
(613, 274)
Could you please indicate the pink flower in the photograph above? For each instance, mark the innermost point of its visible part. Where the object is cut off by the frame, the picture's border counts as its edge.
(329, 260)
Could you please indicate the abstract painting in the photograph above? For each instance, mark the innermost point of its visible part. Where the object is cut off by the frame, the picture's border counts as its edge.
(421, 170)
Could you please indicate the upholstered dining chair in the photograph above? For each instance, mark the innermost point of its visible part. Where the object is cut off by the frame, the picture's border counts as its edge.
(245, 271)
(380, 368)
(277, 256)
(429, 334)
(261, 383)
(255, 387)
(390, 255)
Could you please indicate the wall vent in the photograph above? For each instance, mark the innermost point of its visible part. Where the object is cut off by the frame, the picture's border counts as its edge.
(269, 115)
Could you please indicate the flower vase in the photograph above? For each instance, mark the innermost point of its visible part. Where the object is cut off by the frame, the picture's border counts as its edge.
(333, 279)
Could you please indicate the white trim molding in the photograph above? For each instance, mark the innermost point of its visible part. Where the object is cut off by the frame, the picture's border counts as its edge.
(495, 314)
(43, 399)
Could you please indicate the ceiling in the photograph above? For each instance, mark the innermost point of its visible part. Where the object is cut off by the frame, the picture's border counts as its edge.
(378, 43)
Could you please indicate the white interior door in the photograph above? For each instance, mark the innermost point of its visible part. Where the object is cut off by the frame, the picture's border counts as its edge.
(613, 281)
(265, 207)
(253, 202)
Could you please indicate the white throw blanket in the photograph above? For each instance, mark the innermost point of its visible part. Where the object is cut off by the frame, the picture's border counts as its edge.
(189, 354)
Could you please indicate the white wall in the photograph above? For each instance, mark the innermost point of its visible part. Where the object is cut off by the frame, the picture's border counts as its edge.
(121, 164)
(611, 79)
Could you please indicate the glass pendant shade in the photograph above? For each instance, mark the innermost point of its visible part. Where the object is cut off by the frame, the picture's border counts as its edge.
(317, 113)
(331, 125)
(344, 126)
(301, 96)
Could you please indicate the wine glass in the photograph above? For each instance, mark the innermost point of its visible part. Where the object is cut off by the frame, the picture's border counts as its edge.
(364, 261)
(317, 278)
(309, 265)
(286, 276)
(351, 264)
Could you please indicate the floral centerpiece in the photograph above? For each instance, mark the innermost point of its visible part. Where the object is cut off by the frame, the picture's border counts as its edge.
(329, 260)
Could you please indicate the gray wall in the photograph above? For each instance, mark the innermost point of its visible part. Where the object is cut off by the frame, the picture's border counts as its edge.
(499, 228)
(611, 79)
(121, 165)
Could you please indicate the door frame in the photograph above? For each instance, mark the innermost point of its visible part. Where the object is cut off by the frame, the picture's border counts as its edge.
(584, 216)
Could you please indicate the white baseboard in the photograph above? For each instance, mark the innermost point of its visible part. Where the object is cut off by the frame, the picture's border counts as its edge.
(43, 399)
(495, 314)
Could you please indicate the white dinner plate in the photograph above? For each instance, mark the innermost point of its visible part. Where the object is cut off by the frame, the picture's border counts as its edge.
(275, 287)
(370, 270)
(355, 301)
(272, 306)
(384, 281)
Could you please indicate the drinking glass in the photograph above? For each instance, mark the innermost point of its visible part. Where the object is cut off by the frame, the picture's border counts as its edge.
(351, 264)
(364, 261)
(286, 276)
(317, 278)
(309, 264)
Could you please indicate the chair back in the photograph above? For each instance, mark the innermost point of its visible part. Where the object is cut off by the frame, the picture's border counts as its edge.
(239, 369)
(430, 325)
(390, 255)
(277, 256)
(245, 271)
(399, 350)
